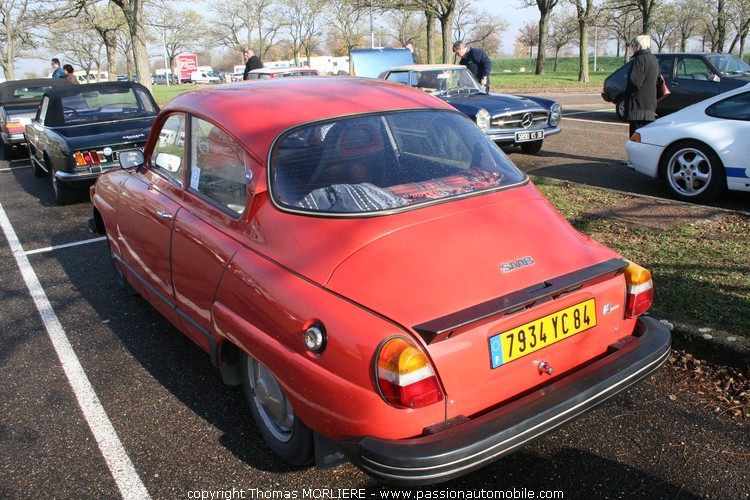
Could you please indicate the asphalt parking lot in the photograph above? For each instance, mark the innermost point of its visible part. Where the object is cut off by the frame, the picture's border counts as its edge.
(103, 398)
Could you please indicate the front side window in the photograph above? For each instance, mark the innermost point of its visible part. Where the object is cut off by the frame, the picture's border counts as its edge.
(729, 65)
(169, 151)
(373, 163)
(736, 107)
(217, 166)
(692, 68)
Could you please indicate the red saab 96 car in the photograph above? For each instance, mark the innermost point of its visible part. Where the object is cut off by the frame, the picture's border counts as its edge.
(387, 286)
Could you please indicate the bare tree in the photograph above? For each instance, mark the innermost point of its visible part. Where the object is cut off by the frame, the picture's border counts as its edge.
(564, 31)
(79, 44)
(545, 11)
(585, 16)
(739, 15)
(715, 25)
(175, 32)
(346, 24)
(478, 29)
(303, 18)
(623, 22)
(664, 27)
(528, 37)
(246, 23)
(19, 21)
(107, 22)
(687, 19)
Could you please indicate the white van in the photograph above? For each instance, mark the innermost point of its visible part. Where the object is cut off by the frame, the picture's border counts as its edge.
(203, 77)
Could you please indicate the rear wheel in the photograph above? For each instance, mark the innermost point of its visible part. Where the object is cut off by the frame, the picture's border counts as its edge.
(693, 171)
(64, 193)
(621, 109)
(283, 431)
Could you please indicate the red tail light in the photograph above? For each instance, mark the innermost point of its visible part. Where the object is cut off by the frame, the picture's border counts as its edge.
(405, 376)
(640, 290)
(86, 158)
(14, 127)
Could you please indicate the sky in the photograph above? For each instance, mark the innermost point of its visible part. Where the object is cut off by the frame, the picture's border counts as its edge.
(507, 9)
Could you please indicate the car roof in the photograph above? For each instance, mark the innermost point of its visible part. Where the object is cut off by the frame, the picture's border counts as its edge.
(7, 89)
(275, 105)
(425, 67)
(282, 70)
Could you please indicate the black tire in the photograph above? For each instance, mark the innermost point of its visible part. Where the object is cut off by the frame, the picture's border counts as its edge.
(531, 147)
(621, 110)
(38, 171)
(8, 152)
(693, 171)
(64, 193)
(120, 279)
(282, 430)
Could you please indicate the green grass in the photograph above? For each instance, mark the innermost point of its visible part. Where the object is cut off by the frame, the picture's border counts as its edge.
(164, 93)
(506, 73)
(700, 270)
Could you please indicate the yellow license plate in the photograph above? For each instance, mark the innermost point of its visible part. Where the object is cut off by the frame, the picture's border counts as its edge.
(534, 335)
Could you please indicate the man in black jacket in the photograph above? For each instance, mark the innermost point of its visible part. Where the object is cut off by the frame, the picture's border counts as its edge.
(640, 93)
(476, 60)
(253, 62)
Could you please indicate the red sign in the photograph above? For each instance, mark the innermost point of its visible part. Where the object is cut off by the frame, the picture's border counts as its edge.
(186, 64)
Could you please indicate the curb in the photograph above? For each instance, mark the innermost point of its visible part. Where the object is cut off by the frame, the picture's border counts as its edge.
(705, 343)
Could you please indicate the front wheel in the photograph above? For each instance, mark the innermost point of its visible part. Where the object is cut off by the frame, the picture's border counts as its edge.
(532, 147)
(287, 436)
(693, 171)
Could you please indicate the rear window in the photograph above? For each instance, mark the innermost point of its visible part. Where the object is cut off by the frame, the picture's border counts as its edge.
(106, 104)
(368, 164)
(29, 93)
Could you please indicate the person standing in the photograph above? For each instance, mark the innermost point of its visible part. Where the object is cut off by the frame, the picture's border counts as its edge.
(253, 62)
(57, 71)
(640, 92)
(415, 58)
(70, 74)
(476, 60)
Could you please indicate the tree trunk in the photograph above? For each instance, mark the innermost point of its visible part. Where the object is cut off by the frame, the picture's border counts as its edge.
(430, 37)
(583, 53)
(446, 25)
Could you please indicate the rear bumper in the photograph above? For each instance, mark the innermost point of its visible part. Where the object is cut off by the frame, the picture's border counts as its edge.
(475, 443)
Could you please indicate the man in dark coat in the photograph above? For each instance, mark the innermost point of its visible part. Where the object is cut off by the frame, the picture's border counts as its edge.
(253, 62)
(476, 60)
(640, 93)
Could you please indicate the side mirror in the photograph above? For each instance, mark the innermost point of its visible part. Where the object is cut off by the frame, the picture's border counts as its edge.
(714, 77)
(170, 163)
(131, 158)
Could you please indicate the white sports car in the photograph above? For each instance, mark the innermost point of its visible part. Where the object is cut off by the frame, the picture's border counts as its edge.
(699, 151)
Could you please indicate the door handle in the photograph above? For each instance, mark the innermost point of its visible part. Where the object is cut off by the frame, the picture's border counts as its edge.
(165, 215)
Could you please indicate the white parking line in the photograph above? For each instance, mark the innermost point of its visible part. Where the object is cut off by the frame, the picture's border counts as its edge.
(8, 169)
(120, 466)
(64, 245)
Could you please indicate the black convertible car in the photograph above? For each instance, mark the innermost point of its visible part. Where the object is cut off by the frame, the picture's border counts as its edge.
(80, 130)
(19, 100)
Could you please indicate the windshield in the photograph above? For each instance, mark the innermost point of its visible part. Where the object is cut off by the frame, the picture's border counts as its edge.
(438, 81)
(729, 65)
(372, 163)
(105, 104)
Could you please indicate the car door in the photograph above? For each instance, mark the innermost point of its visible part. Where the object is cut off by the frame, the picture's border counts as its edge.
(204, 238)
(729, 135)
(693, 81)
(150, 201)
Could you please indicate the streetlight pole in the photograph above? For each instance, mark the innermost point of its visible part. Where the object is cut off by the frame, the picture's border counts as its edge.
(167, 69)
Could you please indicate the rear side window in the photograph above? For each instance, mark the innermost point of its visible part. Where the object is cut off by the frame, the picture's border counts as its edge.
(373, 163)
(217, 166)
(736, 107)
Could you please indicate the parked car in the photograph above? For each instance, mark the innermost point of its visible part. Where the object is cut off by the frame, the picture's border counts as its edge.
(19, 100)
(80, 130)
(385, 283)
(263, 73)
(691, 77)
(162, 79)
(701, 151)
(506, 119)
(203, 77)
